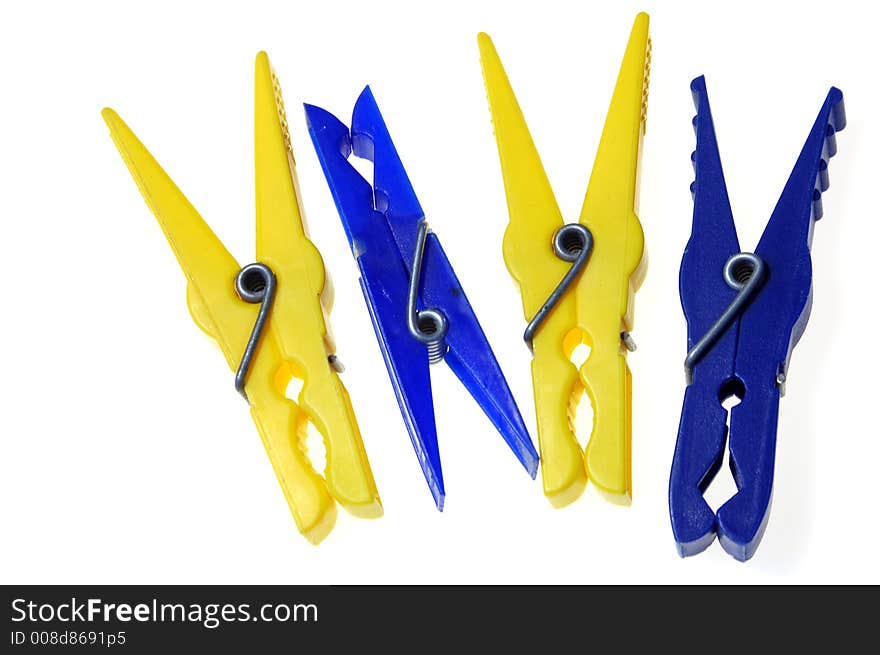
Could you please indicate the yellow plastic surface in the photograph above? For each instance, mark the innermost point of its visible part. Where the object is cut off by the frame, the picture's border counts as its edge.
(295, 342)
(599, 307)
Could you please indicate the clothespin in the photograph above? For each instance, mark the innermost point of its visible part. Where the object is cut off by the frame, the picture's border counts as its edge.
(419, 310)
(745, 313)
(269, 318)
(578, 280)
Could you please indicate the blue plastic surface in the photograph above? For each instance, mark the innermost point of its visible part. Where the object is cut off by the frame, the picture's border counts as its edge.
(381, 222)
(754, 351)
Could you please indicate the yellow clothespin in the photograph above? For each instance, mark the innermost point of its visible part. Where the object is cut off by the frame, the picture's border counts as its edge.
(578, 284)
(269, 319)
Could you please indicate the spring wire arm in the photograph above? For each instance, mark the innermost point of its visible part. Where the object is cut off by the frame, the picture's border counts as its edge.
(744, 272)
(429, 326)
(572, 243)
(255, 283)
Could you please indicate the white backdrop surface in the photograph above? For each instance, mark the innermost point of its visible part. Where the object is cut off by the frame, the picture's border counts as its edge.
(126, 455)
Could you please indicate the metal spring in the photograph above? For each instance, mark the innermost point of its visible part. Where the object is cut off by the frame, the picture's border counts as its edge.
(255, 283)
(429, 326)
(745, 272)
(572, 243)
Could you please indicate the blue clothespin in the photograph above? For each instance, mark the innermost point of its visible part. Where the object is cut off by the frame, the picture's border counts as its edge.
(745, 313)
(418, 307)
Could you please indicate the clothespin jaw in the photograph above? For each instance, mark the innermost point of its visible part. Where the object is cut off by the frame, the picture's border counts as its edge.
(597, 310)
(468, 354)
(605, 294)
(749, 359)
(704, 296)
(295, 340)
(386, 227)
(383, 280)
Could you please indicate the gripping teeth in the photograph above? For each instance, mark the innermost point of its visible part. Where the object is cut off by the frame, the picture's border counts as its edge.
(838, 110)
(282, 115)
(694, 152)
(836, 122)
(694, 160)
(646, 81)
(830, 140)
(818, 212)
(822, 177)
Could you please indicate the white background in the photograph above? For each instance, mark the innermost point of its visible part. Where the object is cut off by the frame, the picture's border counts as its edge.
(127, 456)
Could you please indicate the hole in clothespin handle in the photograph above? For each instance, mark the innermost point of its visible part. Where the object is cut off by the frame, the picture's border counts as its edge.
(577, 348)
